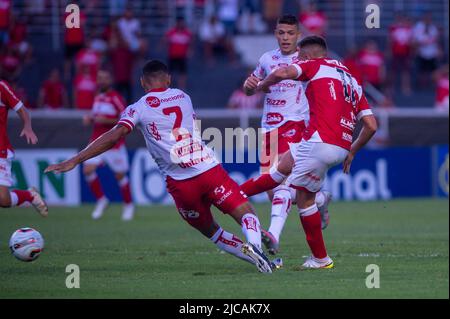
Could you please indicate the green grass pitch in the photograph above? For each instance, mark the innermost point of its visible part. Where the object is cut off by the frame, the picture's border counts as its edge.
(159, 256)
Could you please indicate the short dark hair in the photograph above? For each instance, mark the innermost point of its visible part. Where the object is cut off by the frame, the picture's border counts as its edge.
(288, 19)
(313, 40)
(154, 67)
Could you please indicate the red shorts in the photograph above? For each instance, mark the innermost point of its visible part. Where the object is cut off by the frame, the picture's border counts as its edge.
(276, 142)
(194, 196)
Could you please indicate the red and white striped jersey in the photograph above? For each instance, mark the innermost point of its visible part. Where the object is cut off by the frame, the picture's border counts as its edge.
(8, 101)
(286, 100)
(108, 105)
(336, 101)
(166, 118)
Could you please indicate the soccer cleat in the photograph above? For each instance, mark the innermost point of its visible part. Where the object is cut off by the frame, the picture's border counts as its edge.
(270, 242)
(38, 202)
(257, 255)
(314, 263)
(128, 212)
(323, 210)
(100, 207)
(276, 264)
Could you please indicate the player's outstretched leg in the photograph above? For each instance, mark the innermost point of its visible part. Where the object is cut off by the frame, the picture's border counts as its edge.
(281, 205)
(311, 222)
(224, 240)
(230, 243)
(96, 189)
(18, 197)
(263, 183)
(128, 207)
(251, 227)
(275, 177)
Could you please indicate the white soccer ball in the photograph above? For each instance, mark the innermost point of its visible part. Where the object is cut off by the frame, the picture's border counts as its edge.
(26, 244)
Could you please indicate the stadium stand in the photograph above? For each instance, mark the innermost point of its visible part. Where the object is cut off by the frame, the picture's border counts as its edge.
(212, 85)
(345, 29)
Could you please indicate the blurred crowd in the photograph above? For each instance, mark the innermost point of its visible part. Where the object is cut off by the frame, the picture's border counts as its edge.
(414, 53)
(115, 46)
(414, 59)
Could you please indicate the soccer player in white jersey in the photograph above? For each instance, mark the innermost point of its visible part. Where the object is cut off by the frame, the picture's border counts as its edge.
(285, 114)
(336, 103)
(194, 177)
(106, 111)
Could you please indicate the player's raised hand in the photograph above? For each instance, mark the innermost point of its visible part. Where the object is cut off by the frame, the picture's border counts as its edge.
(263, 86)
(29, 135)
(348, 162)
(251, 83)
(61, 167)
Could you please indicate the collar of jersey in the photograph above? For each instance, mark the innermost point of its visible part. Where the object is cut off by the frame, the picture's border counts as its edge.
(287, 56)
(157, 90)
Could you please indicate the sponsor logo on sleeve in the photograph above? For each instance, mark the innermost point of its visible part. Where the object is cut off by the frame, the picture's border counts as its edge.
(131, 112)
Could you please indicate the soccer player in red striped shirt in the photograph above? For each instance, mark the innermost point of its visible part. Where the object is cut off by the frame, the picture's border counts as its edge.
(11, 198)
(336, 104)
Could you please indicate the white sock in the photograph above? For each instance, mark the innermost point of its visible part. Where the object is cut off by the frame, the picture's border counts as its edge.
(281, 205)
(14, 199)
(320, 199)
(230, 243)
(252, 229)
(293, 192)
(308, 211)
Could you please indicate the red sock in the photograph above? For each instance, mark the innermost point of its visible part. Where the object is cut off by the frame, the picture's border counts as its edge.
(125, 190)
(22, 197)
(313, 230)
(259, 185)
(95, 186)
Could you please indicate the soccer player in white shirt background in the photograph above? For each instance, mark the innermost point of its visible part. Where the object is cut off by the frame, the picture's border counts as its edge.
(286, 113)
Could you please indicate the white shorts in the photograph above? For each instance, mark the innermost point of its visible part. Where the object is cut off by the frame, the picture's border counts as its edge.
(312, 162)
(116, 159)
(5, 170)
